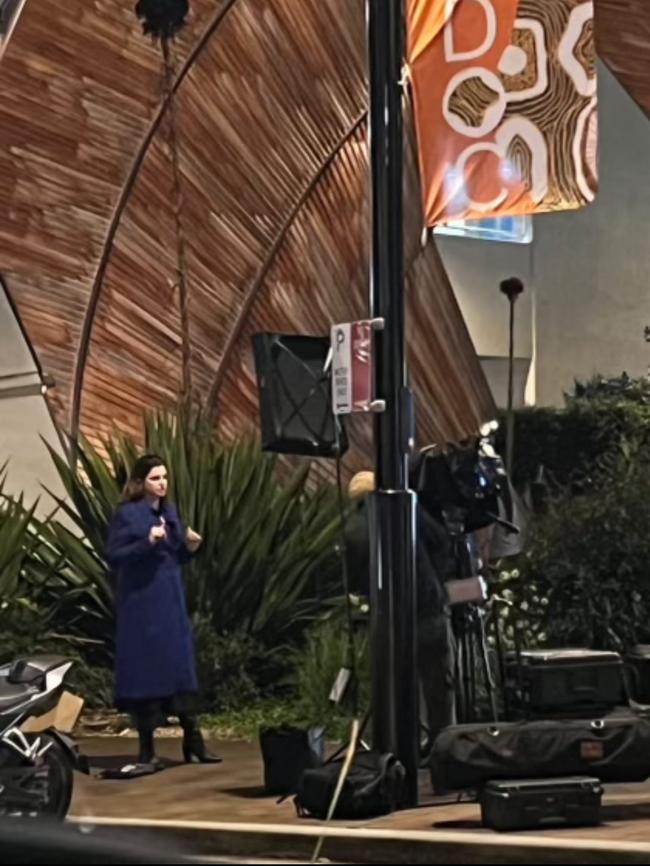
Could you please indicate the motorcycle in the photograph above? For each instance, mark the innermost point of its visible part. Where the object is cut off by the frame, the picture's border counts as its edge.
(36, 770)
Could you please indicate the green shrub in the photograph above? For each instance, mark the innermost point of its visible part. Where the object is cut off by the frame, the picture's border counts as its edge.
(235, 671)
(94, 684)
(316, 665)
(600, 419)
(585, 579)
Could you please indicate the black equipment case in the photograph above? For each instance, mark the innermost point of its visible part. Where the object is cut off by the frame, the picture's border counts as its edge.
(615, 748)
(638, 665)
(573, 682)
(530, 804)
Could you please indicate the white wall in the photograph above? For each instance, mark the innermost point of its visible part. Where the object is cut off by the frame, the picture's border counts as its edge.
(475, 268)
(592, 267)
(23, 419)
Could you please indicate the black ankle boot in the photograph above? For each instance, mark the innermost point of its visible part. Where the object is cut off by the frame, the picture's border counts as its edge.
(194, 751)
(147, 754)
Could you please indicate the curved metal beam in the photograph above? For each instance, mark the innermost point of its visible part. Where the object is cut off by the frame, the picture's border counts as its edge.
(120, 206)
(273, 251)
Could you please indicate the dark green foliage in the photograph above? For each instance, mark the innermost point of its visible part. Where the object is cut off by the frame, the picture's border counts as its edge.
(268, 566)
(563, 446)
(585, 578)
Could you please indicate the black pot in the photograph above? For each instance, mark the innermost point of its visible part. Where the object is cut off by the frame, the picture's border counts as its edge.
(287, 752)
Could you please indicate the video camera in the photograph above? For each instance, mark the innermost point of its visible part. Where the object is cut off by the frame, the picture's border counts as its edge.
(466, 479)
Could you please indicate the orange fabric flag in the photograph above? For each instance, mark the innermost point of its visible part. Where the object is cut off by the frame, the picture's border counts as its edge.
(505, 105)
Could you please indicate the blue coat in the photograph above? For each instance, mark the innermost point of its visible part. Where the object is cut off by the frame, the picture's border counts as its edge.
(154, 655)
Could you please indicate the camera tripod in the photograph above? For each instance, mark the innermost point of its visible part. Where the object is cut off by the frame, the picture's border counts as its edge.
(468, 623)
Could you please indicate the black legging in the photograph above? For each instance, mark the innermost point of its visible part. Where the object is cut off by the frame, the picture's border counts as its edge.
(436, 651)
(146, 727)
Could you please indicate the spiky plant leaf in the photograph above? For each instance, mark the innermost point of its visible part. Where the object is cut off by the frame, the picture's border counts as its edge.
(266, 568)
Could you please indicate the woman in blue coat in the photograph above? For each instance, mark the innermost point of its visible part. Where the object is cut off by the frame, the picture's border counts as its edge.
(155, 674)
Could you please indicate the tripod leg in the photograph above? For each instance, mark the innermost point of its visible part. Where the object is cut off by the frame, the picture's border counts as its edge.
(487, 673)
(472, 688)
(464, 643)
(501, 661)
(460, 710)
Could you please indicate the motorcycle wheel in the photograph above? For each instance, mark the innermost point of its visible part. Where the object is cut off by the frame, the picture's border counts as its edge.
(48, 785)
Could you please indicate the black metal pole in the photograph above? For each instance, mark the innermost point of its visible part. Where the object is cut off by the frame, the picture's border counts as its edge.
(393, 637)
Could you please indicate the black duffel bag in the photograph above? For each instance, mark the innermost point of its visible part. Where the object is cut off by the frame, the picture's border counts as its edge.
(615, 748)
(374, 786)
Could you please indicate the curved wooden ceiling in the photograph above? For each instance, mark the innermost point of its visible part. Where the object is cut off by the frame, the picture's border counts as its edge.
(271, 119)
(623, 42)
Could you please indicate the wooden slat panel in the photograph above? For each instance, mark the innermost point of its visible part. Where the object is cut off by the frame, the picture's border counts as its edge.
(79, 86)
(623, 43)
(319, 277)
(273, 157)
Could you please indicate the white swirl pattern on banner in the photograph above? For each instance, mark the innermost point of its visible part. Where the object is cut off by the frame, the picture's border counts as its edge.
(515, 62)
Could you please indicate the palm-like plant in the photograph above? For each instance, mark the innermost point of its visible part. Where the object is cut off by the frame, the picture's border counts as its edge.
(268, 563)
(14, 541)
(27, 578)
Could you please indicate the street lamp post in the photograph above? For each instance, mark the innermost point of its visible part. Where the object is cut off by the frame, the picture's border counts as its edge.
(393, 625)
(511, 288)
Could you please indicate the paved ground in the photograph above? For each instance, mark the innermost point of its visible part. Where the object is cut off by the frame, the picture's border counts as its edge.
(232, 792)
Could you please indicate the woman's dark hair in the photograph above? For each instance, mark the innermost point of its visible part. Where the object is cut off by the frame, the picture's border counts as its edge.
(134, 489)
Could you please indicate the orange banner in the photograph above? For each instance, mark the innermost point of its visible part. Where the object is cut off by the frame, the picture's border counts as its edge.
(505, 105)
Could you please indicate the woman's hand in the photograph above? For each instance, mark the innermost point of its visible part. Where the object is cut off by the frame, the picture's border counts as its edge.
(158, 533)
(192, 540)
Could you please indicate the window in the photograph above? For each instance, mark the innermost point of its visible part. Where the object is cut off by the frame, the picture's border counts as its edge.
(8, 10)
(509, 229)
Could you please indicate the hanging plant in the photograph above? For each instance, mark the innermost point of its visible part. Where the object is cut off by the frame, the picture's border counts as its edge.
(162, 19)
